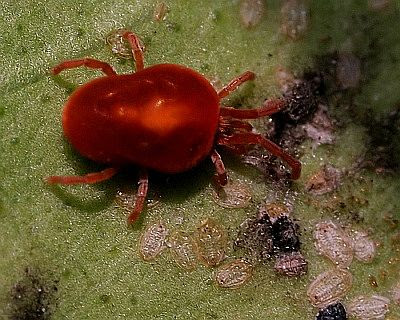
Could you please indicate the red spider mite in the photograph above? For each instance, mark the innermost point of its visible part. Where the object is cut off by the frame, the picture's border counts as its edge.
(165, 117)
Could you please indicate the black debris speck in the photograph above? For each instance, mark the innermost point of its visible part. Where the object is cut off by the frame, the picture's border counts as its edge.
(301, 102)
(285, 233)
(332, 312)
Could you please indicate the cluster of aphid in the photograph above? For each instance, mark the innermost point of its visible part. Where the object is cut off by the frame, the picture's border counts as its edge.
(208, 244)
(294, 16)
(273, 234)
(328, 288)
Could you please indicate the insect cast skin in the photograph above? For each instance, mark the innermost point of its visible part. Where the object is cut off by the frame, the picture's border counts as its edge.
(165, 118)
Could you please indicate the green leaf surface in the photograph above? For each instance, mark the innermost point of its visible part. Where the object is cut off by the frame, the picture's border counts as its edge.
(75, 239)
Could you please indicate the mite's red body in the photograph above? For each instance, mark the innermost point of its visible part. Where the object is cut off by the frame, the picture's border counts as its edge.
(163, 117)
(166, 117)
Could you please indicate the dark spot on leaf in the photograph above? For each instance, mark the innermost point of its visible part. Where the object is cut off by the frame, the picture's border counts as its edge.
(80, 32)
(205, 67)
(15, 140)
(105, 298)
(44, 98)
(384, 147)
(2, 111)
(216, 16)
(33, 297)
(133, 300)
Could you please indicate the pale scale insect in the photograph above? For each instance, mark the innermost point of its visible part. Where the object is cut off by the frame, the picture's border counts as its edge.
(152, 241)
(184, 249)
(295, 18)
(274, 210)
(329, 287)
(379, 4)
(369, 308)
(211, 241)
(234, 274)
(395, 293)
(251, 12)
(291, 264)
(118, 45)
(364, 247)
(235, 194)
(332, 242)
(160, 11)
(348, 70)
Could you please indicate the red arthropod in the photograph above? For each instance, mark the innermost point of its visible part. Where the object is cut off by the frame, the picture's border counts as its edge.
(165, 117)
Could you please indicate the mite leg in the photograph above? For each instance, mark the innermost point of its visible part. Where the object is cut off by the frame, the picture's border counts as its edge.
(143, 186)
(221, 177)
(87, 62)
(252, 138)
(86, 179)
(270, 107)
(235, 83)
(136, 49)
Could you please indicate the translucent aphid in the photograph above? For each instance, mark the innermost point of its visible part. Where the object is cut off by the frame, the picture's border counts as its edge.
(348, 70)
(118, 44)
(294, 18)
(324, 181)
(212, 243)
(234, 195)
(160, 11)
(184, 249)
(378, 4)
(152, 241)
(274, 210)
(332, 242)
(285, 79)
(364, 247)
(321, 131)
(368, 308)
(329, 287)
(234, 274)
(396, 293)
(291, 264)
(251, 12)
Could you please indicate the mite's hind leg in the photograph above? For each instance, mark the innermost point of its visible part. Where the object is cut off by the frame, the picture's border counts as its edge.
(87, 62)
(235, 83)
(137, 50)
(270, 107)
(253, 138)
(86, 179)
(143, 186)
(221, 176)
